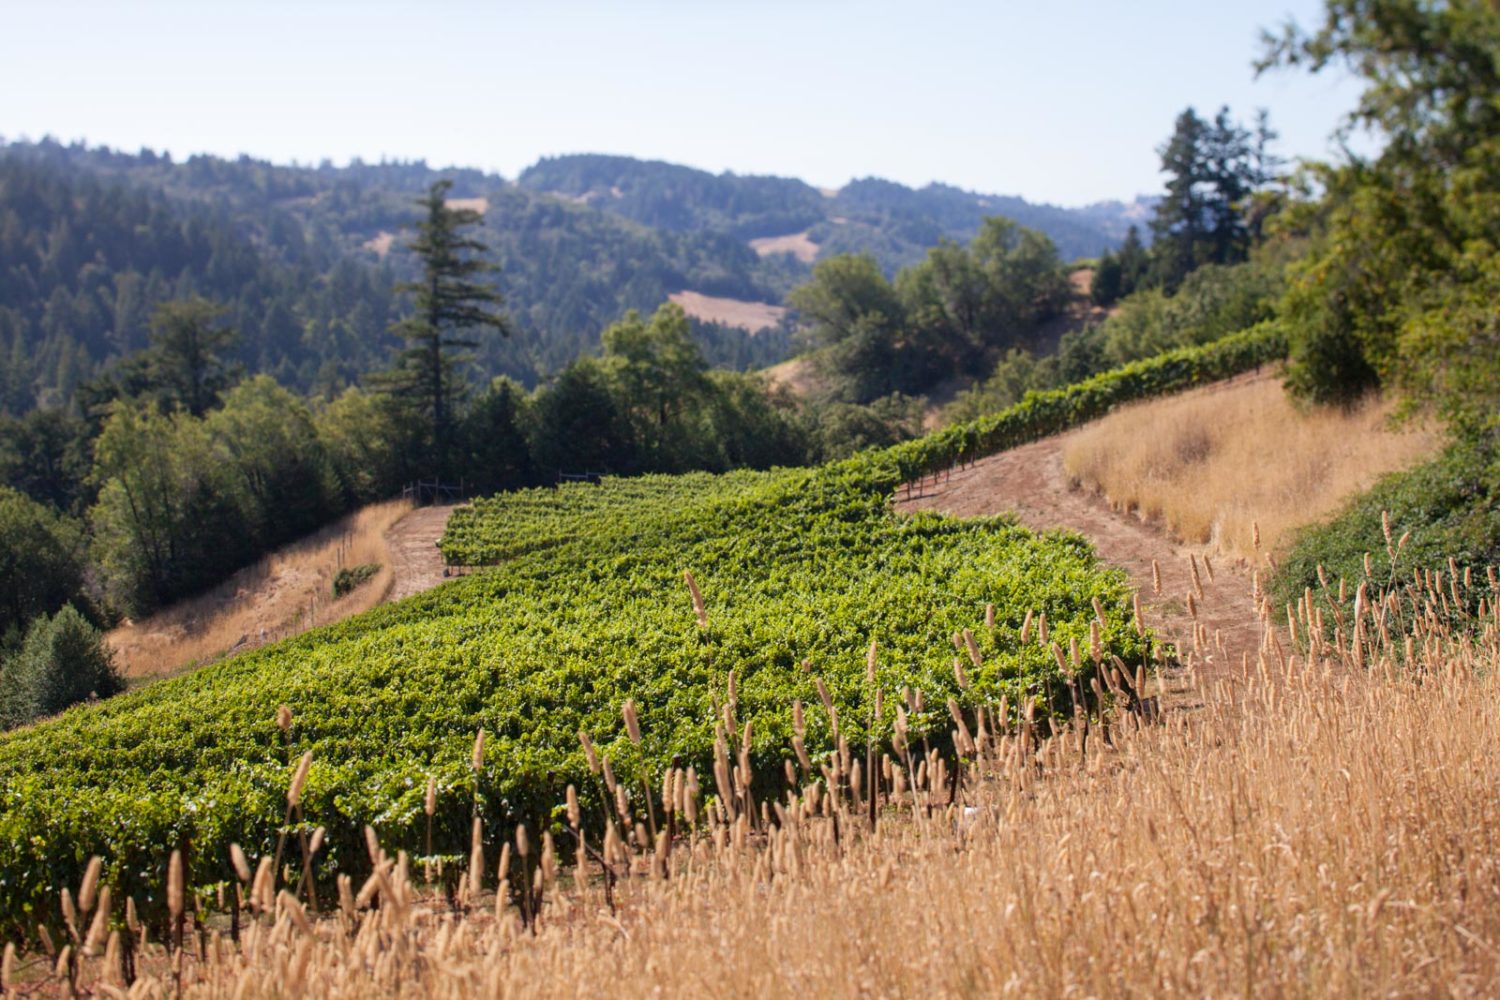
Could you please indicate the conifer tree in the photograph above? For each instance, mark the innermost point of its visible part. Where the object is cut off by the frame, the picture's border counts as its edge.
(448, 300)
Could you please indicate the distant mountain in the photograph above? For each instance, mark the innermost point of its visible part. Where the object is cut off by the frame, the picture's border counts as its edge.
(91, 239)
(894, 222)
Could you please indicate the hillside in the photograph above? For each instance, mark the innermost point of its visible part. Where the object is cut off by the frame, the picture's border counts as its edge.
(779, 215)
(306, 257)
(584, 607)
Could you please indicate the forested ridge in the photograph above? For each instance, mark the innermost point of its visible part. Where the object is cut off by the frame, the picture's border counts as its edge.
(92, 239)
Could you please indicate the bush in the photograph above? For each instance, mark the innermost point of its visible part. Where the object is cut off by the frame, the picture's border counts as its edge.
(1451, 507)
(351, 578)
(63, 661)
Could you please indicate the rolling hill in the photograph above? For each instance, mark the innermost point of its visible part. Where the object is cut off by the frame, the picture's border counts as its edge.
(91, 239)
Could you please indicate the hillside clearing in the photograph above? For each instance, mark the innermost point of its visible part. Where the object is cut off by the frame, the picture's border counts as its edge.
(380, 244)
(751, 316)
(799, 245)
(798, 376)
(480, 205)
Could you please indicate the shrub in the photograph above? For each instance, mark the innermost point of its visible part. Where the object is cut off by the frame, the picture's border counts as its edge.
(63, 661)
(351, 578)
(1450, 506)
(41, 566)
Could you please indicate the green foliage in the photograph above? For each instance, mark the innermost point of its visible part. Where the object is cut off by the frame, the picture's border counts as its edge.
(579, 426)
(351, 578)
(41, 561)
(1118, 274)
(187, 360)
(1212, 302)
(943, 315)
(963, 304)
(496, 454)
(1448, 508)
(63, 661)
(1394, 238)
(165, 517)
(183, 501)
(369, 444)
(659, 374)
(1451, 346)
(1213, 169)
(852, 310)
(45, 455)
(837, 430)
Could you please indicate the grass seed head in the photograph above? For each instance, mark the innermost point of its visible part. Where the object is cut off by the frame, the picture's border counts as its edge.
(90, 884)
(299, 779)
(240, 862)
(632, 724)
(588, 752)
(478, 758)
(175, 885)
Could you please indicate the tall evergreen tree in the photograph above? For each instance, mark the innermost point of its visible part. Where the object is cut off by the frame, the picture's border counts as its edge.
(447, 300)
(187, 362)
(1212, 168)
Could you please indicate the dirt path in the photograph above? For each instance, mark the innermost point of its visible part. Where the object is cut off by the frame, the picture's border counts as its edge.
(1029, 481)
(416, 563)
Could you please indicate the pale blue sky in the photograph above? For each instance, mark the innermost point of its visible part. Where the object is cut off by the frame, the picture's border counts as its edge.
(1055, 101)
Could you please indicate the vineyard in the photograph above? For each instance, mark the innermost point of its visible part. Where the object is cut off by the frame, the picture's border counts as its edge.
(799, 572)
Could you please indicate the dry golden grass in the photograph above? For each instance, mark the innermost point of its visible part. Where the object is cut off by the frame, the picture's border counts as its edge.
(1209, 464)
(289, 591)
(1327, 824)
(799, 245)
(751, 316)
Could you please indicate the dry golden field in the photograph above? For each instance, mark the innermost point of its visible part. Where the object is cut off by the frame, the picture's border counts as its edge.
(1323, 823)
(1208, 464)
(288, 591)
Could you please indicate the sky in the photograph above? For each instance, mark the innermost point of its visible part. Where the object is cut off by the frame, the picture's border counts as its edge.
(1062, 101)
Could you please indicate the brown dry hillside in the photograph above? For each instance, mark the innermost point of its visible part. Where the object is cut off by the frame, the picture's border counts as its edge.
(799, 245)
(752, 316)
(290, 591)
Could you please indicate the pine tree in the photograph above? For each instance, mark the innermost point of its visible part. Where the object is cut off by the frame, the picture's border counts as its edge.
(447, 301)
(1214, 168)
(187, 362)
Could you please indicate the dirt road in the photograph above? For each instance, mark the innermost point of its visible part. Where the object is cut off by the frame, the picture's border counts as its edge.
(416, 563)
(1029, 481)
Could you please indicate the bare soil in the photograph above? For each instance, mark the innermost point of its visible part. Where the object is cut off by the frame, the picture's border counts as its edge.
(1029, 482)
(416, 563)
